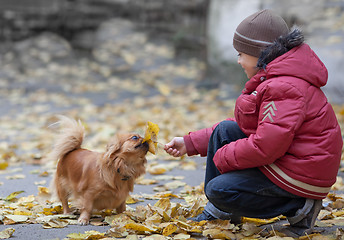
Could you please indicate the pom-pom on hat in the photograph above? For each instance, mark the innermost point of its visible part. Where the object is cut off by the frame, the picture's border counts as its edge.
(258, 31)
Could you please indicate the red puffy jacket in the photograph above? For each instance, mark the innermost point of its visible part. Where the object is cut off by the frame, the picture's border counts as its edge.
(293, 135)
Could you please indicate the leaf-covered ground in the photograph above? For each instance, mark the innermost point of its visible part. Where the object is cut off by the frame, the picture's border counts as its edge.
(122, 86)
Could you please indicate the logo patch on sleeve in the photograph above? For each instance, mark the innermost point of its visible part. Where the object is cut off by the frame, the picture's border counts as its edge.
(270, 111)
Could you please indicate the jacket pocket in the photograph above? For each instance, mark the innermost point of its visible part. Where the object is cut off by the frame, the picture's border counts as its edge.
(246, 113)
(248, 108)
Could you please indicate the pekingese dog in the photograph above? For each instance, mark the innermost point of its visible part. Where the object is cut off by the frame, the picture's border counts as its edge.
(95, 180)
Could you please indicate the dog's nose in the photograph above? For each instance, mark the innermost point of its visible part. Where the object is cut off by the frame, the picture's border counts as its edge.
(146, 145)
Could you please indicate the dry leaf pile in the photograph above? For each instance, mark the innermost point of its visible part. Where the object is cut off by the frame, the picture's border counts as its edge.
(166, 219)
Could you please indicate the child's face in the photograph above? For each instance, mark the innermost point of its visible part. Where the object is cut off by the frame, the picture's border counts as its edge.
(248, 63)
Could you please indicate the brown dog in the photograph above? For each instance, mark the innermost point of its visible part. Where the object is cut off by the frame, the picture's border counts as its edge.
(96, 180)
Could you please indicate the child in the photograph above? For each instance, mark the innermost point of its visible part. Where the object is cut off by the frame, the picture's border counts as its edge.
(281, 153)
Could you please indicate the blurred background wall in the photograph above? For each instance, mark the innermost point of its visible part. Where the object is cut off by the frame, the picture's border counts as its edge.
(195, 28)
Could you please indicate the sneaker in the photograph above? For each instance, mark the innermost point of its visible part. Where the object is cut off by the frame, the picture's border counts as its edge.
(303, 223)
(203, 216)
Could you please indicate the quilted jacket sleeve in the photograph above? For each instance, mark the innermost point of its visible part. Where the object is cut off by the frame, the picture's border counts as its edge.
(281, 112)
(197, 142)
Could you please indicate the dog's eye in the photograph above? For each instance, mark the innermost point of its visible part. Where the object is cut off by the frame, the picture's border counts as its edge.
(134, 137)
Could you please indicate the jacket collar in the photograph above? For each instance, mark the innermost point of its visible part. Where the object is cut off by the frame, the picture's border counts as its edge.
(253, 83)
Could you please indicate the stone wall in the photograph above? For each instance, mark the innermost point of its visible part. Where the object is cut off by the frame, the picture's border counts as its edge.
(203, 28)
(183, 22)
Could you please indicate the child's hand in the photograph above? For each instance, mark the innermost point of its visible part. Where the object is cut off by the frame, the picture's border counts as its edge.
(176, 147)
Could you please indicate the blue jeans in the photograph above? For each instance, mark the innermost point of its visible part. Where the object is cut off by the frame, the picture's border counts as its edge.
(248, 192)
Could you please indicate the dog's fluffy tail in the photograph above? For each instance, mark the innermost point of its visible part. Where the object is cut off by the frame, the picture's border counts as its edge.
(69, 138)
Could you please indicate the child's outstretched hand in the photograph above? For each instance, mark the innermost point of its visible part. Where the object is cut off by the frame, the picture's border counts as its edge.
(176, 147)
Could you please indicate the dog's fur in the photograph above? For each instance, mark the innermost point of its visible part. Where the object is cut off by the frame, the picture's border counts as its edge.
(95, 180)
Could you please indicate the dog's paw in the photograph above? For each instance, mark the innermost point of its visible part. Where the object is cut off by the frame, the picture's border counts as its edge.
(68, 212)
(83, 220)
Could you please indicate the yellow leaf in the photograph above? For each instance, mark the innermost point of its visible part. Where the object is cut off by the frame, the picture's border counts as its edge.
(151, 132)
(157, 170)
(218, 233)
(139, 227)
(312, 236)
(76, 235)
(338, 213)
(131, 200)
(118, 220)
(163, 203)
(153, 146)
(169, 229)
(55, 223)
(7, 233)
(44, 174)
(259, 221)
(146, 181)
(13, 195)
(18, 212)
(89, 235)
(52, 211)
(3, 165)
(43, 190)
(151, 136)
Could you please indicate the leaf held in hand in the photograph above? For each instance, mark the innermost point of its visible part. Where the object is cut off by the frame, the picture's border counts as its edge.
(151, 136)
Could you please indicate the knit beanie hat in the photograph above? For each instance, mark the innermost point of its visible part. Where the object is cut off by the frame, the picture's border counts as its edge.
(258, 31)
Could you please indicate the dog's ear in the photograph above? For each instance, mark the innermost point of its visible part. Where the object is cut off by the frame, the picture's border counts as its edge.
(112, 149)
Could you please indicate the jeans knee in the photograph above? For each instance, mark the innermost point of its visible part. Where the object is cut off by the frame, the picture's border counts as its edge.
(225, 125)
(211, 189)
(228, 131)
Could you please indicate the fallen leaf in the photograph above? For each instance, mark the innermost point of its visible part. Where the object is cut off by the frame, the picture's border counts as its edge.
(43, 182)
(55, 223)
(16, 176)
(11, 219)
(155, 237)
(181, 236)
(261, 221)
(218, 233)
(140, 227)
(88, 235)
(13, 195)
(146, 181)
(131, 200)
(44, 174)
(7, 233)
(157, 170)
(3, 165)
(169, 229)
(174, 184)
